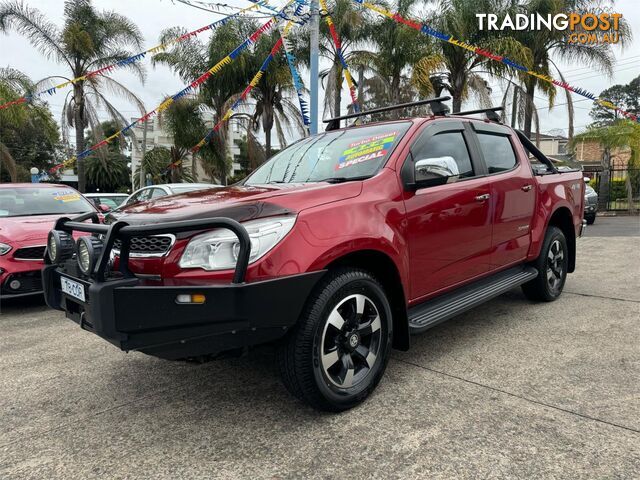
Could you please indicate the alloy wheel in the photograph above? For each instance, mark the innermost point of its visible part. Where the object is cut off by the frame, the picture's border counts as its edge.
(351, 341)
(555, 265)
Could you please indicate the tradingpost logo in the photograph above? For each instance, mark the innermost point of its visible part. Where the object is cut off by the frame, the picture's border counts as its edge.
(590, 28)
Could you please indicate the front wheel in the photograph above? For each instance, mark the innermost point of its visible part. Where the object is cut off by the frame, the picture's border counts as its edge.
(552, 265)
(590, 219)
(338, 351)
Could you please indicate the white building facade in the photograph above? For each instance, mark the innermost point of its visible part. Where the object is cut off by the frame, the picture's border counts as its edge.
(157, 136)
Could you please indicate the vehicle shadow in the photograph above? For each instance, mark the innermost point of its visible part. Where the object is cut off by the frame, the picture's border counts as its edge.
(251, 383)
(16, 305)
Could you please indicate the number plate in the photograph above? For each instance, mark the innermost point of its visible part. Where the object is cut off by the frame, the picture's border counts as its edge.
(74, 289)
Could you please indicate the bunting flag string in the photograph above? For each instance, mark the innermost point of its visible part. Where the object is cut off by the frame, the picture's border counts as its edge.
(213, 6)
(243, 96)
(338, 45)
(137, 57)
(297, 80)
(245, 93)
(297, 12)
(427, 30)
(188, 89)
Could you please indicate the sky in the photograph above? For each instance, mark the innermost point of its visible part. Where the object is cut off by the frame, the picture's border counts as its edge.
(152, 16)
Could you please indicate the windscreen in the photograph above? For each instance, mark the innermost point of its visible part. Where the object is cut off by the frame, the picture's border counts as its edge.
(344, 154)
(20, 202)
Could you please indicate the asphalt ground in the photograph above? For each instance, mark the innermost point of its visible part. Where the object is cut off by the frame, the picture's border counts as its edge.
(512, 389)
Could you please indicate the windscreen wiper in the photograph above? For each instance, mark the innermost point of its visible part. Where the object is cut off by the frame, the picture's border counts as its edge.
(343, 179)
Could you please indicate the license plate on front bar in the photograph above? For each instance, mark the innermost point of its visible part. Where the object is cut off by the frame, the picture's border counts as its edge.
(74, 289)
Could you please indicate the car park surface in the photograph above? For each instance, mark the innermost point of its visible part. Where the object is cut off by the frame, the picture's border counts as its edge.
(510, 389)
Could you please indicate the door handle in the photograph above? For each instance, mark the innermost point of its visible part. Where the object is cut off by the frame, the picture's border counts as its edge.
(526, 188)
(483, 197)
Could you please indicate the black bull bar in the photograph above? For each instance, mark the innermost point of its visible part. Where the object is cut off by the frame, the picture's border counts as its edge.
(136, 316)
(124, 232)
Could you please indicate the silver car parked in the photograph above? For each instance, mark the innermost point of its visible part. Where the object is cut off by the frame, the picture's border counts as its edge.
(590, 203)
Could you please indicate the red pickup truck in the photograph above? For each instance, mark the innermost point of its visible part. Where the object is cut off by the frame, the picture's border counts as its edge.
(336, 249)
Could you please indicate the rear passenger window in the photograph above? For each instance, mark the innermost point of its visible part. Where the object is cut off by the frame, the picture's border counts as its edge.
(447, 147)
(158, 192)
(498, 152)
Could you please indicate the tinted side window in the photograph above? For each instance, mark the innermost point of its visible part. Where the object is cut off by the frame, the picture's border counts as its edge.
(109, 202)
(498, 152)
(158, 192)
(447, 147)
(141, 196)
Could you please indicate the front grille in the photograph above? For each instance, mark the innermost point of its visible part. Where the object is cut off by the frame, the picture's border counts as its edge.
(29, 282)
(152, 245)
(30, 253)
(592, 200)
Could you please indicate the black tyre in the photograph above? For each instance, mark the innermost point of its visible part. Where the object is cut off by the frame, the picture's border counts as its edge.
(590, 219)
(552, 265)
(338, 351)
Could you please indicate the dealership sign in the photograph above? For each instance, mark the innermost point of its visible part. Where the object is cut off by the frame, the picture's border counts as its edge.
(586, 28)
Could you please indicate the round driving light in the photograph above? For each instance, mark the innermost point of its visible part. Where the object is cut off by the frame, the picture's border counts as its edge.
(15, 284)
(60, 246)
(88, 250)
(52, 245)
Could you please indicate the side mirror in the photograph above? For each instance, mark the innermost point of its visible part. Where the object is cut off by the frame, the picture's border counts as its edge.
(586, 179)
(436, 171)
(103, 208)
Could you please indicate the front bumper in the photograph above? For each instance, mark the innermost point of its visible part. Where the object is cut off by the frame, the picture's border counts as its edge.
(134, 316)
(19, 278)
(21, 284)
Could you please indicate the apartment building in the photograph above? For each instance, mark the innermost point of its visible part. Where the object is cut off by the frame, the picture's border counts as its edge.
(157, 136)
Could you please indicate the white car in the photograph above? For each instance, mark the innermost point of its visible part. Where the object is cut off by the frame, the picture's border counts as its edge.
(107, 201)
(156, 191)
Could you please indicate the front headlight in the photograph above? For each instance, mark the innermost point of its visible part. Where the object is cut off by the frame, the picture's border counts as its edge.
(4, 248)
(218, 249)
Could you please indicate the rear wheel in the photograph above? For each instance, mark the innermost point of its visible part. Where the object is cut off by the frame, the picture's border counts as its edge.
(552, 265)
(338, 351)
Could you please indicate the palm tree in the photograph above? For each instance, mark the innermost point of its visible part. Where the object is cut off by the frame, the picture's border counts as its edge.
(273, 95)
(350, 23)
(548, 46)
(351, 26)
(191, 58)
(108, 171)
(397, 50)
(459, 71)
(13, 84)
(29, 137)
(89, 40)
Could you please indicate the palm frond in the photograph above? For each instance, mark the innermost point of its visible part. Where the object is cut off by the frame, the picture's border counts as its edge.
(33, 24)
(120, 90)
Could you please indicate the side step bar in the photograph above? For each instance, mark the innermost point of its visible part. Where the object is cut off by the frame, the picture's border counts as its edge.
(433, 312)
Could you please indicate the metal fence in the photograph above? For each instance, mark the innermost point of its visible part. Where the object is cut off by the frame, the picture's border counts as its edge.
(618, 187)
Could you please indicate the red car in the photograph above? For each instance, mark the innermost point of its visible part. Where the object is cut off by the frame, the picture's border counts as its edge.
(338, 248)
(27, 213)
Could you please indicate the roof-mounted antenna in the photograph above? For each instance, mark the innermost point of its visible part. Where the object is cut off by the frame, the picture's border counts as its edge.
(437, 107)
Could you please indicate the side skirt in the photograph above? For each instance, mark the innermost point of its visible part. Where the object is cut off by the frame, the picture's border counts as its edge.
(435, 311)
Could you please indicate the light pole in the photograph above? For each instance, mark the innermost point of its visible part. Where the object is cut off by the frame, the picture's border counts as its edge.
(314, 64)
